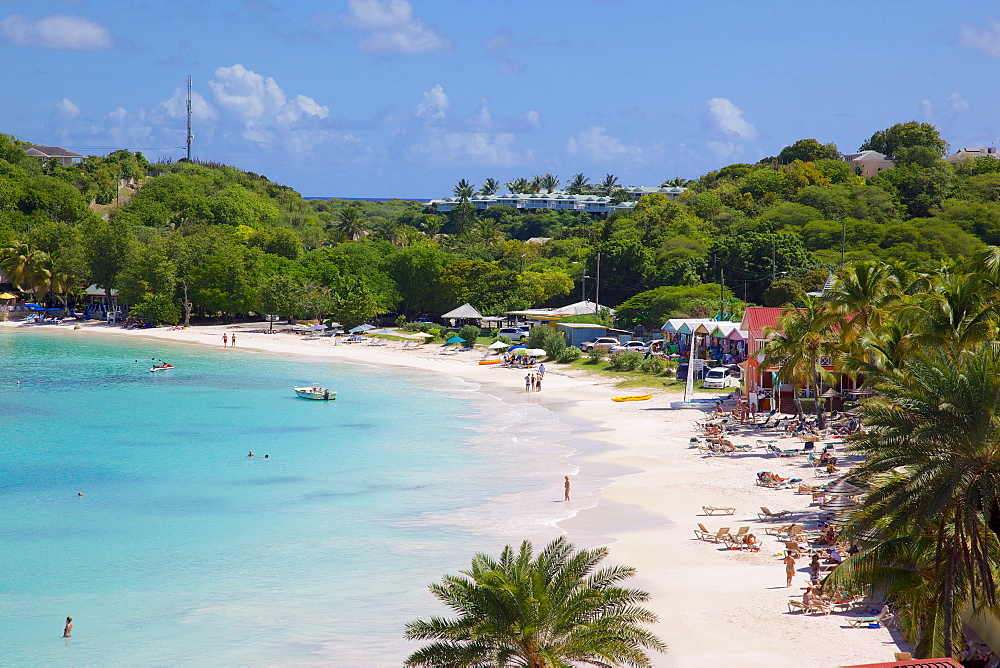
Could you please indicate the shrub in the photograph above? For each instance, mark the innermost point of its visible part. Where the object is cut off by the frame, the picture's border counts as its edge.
(537, 335)
(469, 334)
(652, 365)
(595, 354)
(505, 339)
(627, 361)
(400, 321)
(569, 354)
(553, 344)
(435, 332)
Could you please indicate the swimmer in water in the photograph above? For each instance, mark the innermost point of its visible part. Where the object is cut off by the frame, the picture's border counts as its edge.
(68, 629)
(251, 454)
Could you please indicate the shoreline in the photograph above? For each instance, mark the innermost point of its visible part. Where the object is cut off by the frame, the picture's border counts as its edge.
(646, 491)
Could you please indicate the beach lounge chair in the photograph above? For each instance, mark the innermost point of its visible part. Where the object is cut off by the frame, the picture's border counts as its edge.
(766, 514)
(723, 532)
(718, 510)
(885, 617)
(817, 607)
(779, 531)
(734, 541)
(701, 533)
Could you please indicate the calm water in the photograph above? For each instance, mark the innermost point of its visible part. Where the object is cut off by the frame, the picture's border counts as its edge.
(185, 550)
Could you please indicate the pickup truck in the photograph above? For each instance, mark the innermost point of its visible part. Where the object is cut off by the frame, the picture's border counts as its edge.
(601, 342)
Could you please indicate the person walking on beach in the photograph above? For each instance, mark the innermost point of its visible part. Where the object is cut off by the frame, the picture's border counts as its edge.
(232, 340)
(789, 562)
(225, 339)
(541, 370)
(538, 383)
(68, 629)
(527, 383)
(566, 488)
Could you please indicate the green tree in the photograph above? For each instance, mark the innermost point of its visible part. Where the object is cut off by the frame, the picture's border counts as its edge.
(578, 184)
(609, 184)
(551, 610)
(489, 187)
(157, 309)
(463, 190)
(355, 303)
(350, 224)
(905, 135)
(932, 448)
(808, 150)
(550, 182)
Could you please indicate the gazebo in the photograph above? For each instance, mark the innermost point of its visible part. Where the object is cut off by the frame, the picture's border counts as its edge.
(464, 314)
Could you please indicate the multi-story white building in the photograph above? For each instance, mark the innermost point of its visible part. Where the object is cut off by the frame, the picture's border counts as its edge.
(558, 200)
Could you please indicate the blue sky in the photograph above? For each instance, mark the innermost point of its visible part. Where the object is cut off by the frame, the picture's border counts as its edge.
(378, 98)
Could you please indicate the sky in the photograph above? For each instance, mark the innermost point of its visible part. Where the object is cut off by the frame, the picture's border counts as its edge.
(402, 98)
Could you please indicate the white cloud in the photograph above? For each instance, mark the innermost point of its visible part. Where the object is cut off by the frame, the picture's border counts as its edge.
(176, 107)
(67, 110)
(596, 145)
(467, 149)
(726, 117)
(927, 110)
(435, 104)
(392, 28)
(260, 104)
(60, 31)
(986, 40)
(510, 67)
(725, 150)
(483, 120)
(958, 102)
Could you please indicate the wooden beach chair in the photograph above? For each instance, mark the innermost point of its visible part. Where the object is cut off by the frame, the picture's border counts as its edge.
(718, 510)
(701, 533)
(766, 514)
(723, 532)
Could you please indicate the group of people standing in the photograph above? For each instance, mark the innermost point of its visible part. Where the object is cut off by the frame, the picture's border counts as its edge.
(533, 381)
(226, 340)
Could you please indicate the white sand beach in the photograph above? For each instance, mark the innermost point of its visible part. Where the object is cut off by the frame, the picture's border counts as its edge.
(716, 606)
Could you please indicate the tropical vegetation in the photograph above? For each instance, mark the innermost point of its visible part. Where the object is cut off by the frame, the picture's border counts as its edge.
(554, 609)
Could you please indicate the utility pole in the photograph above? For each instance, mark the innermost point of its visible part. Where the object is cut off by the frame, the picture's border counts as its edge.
(843, 239)
(722, 292)
(597, 285)
(189, 135)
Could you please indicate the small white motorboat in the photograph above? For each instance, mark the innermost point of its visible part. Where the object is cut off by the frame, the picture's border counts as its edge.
(315, 392)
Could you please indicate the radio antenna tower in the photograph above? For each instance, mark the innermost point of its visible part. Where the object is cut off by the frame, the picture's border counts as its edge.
(189, 135)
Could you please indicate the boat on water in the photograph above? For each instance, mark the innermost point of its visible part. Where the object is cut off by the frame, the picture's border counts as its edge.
(163, 366)
(316, 392)
(634, 397)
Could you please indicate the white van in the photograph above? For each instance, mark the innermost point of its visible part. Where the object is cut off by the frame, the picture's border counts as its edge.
(717, 378)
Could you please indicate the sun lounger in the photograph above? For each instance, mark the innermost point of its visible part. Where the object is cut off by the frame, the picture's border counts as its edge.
(817, 607)
(884, 617)
(775, 451)
(718, 510)
(766, 514)
(779, 531)
(701, 533)
(723, 532)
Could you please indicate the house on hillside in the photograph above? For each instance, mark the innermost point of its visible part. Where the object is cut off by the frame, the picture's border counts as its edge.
(869, 163)
(64, 156)
(963, 154)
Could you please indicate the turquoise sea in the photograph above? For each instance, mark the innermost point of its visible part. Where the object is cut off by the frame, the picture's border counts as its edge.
(184, 550)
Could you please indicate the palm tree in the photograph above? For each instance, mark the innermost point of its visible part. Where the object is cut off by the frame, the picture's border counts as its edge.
(518, 186)
(432, 226)
(550, 182)
(609, 183)
(553, 610)
(463, 190)
(26, 267)
(350, 224)
(676, 182)
(489, 187)
(932, 445)
(799, 347)
(578, 184)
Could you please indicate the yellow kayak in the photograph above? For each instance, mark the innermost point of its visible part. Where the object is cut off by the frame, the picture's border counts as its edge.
(484, 362)
(636, 397)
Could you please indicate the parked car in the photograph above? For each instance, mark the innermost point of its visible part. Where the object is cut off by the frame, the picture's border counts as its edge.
(717, 378)
(601, 342)
(634, 346)
(513, 333)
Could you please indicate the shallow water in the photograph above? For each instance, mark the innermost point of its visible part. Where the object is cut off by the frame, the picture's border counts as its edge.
(185, 550)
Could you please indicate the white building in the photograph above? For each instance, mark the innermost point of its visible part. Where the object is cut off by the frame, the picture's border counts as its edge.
(558, 200)
(967, 153)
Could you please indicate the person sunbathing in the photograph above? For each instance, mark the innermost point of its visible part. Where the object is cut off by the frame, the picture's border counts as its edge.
(750, 543)
(829, 537)
(768, 476)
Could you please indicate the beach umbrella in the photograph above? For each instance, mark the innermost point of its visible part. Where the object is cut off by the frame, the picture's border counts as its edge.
(842, 488)
(29, 304)
(317, 328)
(535, 352)
(7, 295)
(455, 339)
(497, 345)
(361, 328)
(519, 345)
(423, 335)
(520, 352)
(840, 503)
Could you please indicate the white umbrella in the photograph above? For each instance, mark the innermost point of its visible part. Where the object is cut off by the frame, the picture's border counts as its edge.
(535, 352)
(361, 328)
(423, 335)
(498, 345)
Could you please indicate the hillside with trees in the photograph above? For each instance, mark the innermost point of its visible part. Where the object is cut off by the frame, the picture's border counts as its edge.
(183, 239)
